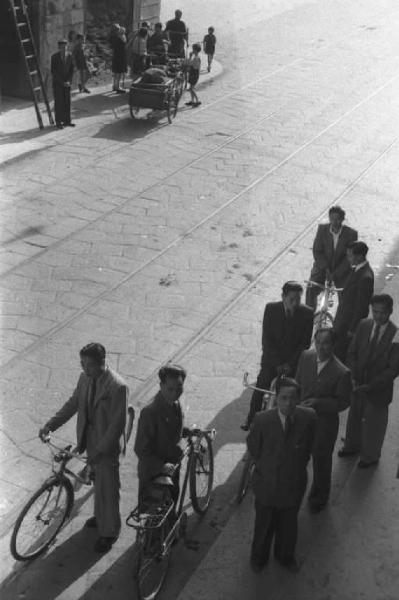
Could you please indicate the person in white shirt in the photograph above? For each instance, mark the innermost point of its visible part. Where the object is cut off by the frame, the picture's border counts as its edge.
(194, 64)
(325, 385)
(373, 358)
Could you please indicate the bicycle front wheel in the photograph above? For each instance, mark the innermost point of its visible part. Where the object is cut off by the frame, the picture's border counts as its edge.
(41, 519)
(201, 475)
(152, 563)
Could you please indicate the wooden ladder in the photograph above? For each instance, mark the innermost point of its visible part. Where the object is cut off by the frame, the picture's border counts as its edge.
(25, 38)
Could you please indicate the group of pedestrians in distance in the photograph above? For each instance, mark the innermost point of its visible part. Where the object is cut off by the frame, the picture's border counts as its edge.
(352, 364)
(140, 50)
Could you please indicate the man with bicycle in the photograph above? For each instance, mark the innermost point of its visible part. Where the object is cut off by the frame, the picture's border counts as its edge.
(159, 433)
(287, 330)
(329, 253)
(100, 401)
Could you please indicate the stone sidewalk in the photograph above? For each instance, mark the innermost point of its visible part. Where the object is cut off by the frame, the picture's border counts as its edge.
(166, 243)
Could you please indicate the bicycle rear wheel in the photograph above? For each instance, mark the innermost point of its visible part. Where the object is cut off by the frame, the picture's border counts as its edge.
(246, 477)
(152, 563)
(201, 475)
(41, 519)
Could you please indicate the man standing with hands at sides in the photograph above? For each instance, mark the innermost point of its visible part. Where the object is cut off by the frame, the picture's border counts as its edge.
(100, 401)
(280, 441)
(326, 387)
(329, 252)
(355, 298)
(373, 358)
(286, 332)
(62, 71)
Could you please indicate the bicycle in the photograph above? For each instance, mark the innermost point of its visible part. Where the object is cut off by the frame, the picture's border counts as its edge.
(249, 463)
(323, 316)
(160, 525)
(49, 507)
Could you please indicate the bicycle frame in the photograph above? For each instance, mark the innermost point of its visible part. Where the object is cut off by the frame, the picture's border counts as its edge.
(268, 395)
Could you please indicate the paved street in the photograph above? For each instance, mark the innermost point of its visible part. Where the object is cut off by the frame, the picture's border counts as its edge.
(164, 242)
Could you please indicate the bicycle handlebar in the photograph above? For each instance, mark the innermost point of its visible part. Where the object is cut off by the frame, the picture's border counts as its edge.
(253, 387)
(61, 453)
(326, 286)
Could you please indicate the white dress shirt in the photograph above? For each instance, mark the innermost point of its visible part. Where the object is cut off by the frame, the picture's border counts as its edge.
(381, 333)
(335, 236)
(359, 266)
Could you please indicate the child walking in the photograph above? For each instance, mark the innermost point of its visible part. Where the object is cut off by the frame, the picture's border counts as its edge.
(209, 44)
(194, 63)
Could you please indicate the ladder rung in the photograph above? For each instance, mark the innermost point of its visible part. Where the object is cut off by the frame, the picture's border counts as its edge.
(25, 41)
(32, 72)
(22, 24)
(30, 56)
(37, 89)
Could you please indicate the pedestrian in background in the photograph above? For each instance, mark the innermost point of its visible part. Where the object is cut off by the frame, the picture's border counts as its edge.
(117, 40)
(209, 45)
(373, 358)
(100, 401)
(286, 332)
(139, 54)
(355, 298)
(325, 385)
(177, 32)
(62, 73)
(280, 441)
(79, 59)
(194, 65)
(329, 253)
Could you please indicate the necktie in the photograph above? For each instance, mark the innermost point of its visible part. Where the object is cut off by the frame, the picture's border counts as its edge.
(287, 426)
(90, 399)
(374, 341)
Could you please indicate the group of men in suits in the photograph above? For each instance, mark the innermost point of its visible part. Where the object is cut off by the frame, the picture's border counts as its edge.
(353, 364)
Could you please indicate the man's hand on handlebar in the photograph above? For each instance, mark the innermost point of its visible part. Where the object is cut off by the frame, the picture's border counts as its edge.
(169, 469)
(44, 433)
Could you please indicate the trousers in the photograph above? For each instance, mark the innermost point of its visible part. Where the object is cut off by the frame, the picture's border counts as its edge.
(366, 427)
(323, 447)
(278, 523)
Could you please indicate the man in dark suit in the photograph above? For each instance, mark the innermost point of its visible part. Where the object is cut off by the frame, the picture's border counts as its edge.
(329, 252)
(100, 401)
(373, 358)
(62, 71)
(355, 299)
(287, 330)
(159, 432)
(280, 441)
(326, 387)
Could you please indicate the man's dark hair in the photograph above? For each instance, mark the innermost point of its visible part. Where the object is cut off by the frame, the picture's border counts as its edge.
(95, 351)
(171, 371)
(292, 286)
(196, 48)
(384, 299)
(358, 248)
(338, 211)
(328, 330)
(286, 382)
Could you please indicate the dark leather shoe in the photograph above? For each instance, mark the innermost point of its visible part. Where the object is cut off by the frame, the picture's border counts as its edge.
(316, 507)
(362, 464)
(291, 565)
(245, 426)
(342, 453)
(70, 124)
(59, 126)
(104, 544)
(91, 523)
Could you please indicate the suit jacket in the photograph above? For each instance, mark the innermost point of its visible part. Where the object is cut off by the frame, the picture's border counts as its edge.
(355, 299)
(107, 415)
(61, 71)
(380, 370)
(332, 386)
(159, 432)
(284, 340)
(334, 260)
(280, 478)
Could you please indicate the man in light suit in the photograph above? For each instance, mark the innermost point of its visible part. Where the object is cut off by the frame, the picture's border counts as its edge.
(100, 401)
(280, 441)
(286, 331)
(355, 299)
(373, 358)
(329, 253)
(326, 387)
(62, 72)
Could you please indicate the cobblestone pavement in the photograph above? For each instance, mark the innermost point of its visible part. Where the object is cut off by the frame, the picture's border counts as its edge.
(166, 241)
